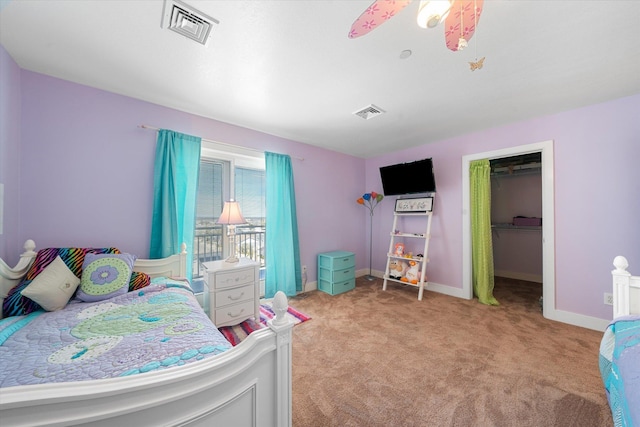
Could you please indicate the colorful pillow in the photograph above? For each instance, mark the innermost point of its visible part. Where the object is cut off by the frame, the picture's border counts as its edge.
(15, 304)
(53, 287)
(138, 281)
(105, 276)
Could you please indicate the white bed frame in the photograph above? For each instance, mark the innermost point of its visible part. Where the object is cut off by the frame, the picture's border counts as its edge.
(626, 289)
(248, 385)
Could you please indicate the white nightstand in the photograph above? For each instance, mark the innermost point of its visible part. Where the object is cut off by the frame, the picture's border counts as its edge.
(234, 291)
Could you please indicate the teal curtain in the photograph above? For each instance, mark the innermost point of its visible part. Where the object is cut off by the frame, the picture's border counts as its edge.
(175, 183)
(283, 271)
(481, 243)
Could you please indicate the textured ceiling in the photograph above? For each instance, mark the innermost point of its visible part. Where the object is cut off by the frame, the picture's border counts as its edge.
(287, 68)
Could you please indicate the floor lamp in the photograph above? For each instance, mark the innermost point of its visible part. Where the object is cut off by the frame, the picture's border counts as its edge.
(231, 216)
(370, 276)
(370, 201)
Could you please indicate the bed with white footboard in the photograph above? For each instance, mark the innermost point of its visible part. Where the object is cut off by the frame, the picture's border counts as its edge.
(620, 348)
(140, 353)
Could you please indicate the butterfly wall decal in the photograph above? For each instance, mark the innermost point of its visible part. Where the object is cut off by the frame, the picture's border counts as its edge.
(477, 65)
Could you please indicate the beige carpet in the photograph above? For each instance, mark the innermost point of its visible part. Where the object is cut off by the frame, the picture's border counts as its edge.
(382, 358)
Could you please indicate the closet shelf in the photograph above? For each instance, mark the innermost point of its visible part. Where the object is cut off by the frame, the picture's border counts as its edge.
(507, 226)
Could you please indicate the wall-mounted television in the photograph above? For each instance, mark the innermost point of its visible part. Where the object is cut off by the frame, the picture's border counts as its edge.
(408, 178)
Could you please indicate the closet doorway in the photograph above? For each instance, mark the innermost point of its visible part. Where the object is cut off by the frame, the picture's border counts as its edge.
(548, 226)
(516, 212)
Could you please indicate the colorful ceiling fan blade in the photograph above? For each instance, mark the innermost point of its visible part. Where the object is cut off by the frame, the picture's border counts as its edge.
(461, 21)
(377, 14)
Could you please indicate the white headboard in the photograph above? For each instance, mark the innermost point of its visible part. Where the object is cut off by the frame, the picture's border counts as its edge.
(172, 266)
(10, 276)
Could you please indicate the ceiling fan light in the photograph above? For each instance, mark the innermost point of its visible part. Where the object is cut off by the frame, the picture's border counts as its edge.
(431, 13)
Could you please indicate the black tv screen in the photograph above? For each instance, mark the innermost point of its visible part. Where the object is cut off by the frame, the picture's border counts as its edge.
(408, 178)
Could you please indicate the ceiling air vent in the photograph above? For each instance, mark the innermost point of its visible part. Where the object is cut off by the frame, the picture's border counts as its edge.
(369, 112)
(184, 19)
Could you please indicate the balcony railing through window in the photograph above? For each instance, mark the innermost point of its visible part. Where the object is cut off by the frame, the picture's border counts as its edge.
(209, 244)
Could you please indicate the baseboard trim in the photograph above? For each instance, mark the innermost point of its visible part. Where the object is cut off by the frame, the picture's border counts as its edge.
(446, 290)
(574, 319)
(365, 272)
(581, 320)
(431, 286)
(310, 286)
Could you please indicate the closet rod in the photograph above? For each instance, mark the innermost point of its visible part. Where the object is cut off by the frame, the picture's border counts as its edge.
(221, 143)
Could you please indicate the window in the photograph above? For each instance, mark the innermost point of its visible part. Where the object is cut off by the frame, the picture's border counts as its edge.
(224, 175)
(208, 236)
(249, 191)
(250, 194)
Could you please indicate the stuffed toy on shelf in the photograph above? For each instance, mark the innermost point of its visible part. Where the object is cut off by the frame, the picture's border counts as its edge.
(397, 269)
(413, 273)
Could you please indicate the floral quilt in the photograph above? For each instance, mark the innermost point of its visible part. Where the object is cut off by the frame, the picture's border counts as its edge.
(158, 327)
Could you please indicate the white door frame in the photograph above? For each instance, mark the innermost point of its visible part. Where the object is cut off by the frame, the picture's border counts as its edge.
(548, 220)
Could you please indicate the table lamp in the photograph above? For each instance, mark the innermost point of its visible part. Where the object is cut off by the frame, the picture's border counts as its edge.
(231, 216)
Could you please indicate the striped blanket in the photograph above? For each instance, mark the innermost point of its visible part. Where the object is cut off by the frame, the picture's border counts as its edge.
(235, 334)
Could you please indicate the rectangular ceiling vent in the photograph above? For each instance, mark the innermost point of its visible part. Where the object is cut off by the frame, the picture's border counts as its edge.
(369, 112)
(184, 19)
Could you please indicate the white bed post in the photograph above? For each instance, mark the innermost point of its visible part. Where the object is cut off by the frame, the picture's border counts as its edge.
(283, 328)
(621, 285)
(9, 277)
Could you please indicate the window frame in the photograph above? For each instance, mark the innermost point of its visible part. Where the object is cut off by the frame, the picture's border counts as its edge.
(232, 157)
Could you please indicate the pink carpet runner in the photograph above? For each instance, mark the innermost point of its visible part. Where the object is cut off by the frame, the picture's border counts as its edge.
(235, 334)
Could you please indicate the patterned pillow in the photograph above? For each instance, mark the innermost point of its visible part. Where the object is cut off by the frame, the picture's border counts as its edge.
(105, 276)
(138, 281)
(15, 304)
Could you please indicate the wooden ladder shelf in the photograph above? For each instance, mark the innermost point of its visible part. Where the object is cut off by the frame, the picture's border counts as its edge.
(398, 238)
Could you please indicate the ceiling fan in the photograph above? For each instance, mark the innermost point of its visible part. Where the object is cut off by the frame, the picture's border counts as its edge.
(460, 18)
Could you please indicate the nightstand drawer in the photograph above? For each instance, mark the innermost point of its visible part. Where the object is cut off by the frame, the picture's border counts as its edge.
(337, 275)
(234, 291)
(336, 287)
(225, 279)
(337, 260)
(234, 314)
(235, 295)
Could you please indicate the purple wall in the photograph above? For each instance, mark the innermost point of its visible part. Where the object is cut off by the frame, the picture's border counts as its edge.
(87, 172)
(597, 185)
(10, 107)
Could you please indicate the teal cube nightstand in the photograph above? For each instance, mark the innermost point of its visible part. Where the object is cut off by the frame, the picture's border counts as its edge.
(336, 272)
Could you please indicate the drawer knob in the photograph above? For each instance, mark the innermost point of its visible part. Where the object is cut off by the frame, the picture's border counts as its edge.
(235, 315)
(236, 298)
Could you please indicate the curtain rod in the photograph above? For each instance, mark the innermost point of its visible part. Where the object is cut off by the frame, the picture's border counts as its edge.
(221, 143)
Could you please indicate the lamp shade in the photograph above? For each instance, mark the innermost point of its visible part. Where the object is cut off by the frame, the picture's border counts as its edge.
(231, 214)
(431, 13)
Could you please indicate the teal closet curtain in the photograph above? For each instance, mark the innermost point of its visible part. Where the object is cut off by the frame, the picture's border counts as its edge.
(283, 271)
(175, 183)
(481, 243)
